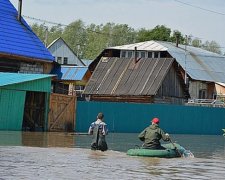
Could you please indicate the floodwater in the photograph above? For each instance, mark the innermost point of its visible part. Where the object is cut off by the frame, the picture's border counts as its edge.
(30, 155)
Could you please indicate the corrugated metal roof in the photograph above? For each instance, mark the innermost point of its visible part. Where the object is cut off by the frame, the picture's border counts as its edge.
(122, 76)
(15, 78)
(87, 62)
(199, 63)
(74, 73)
(142, 46)
(17, 38)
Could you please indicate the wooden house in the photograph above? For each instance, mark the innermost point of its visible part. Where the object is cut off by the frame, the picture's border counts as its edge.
(70, 80)
(63, 53)
(144, 80)
(200, 69)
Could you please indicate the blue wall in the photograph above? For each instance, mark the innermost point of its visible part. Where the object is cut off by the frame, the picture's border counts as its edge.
(133, 118)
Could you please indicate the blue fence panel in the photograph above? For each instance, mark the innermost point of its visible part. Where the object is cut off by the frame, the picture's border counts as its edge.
(133, 118)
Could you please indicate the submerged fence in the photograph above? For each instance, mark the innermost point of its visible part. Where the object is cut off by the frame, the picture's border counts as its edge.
(133, 118)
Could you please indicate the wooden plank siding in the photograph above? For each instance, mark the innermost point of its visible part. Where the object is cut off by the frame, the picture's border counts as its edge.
(62, 112)
(130, 80)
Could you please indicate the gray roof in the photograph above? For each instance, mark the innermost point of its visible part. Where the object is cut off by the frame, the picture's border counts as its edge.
(122, 76)
(199, 64)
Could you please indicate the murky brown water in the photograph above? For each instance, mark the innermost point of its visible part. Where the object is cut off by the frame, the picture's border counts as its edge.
(29, 155)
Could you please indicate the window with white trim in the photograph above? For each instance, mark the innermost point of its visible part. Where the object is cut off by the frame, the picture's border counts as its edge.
(65, 60)
(59, 60)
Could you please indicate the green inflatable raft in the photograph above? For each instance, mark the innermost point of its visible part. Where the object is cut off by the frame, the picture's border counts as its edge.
(171, 151)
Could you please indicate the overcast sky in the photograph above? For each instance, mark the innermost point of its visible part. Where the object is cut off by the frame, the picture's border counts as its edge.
(204, 19)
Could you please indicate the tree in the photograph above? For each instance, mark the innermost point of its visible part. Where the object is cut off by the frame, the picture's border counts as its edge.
(212, 46)
(177, 35)
(76, 36)
(160, 33)
(196, 42)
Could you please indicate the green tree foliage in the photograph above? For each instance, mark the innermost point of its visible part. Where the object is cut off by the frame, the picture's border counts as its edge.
(196, 42)
(160, 33)
(212, 46)
(89, 41)
(75, 36)
(177, 36)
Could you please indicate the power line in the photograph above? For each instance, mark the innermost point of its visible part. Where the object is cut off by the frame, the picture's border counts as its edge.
(198, 7)
(45, 21)
(105, 34)
(65, 25)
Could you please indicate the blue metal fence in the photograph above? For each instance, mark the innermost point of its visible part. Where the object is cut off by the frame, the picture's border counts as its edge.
(133, 118)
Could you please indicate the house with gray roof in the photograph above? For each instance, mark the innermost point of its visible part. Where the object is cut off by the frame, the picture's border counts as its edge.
(199, 69)
(63, 53)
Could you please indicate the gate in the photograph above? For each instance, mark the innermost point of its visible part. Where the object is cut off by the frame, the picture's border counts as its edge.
(62, 112)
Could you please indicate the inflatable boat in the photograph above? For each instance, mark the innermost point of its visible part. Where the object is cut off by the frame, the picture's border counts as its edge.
(171, 151)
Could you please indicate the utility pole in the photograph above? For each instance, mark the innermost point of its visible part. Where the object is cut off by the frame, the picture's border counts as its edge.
(185, 59)
(46, 36)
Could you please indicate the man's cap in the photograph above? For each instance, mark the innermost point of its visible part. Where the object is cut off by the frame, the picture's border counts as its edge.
(155, 120)
(100, 115)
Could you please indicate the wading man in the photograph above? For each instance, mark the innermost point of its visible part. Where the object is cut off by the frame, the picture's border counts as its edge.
(99, 130)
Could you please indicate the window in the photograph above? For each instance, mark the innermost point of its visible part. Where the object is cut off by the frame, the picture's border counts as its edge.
(65, 60)
(202, 94)
(123, 53)
(129, 54)
(59, 60)
(142, 54)
(149, 54)
(156, 54)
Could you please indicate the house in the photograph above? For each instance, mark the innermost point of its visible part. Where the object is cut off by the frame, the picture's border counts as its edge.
(70, 80)
(87, 62)
(63, 53)
(24, 101)
(21, 51)
(200, 70)
(25, 85)
(142, 80)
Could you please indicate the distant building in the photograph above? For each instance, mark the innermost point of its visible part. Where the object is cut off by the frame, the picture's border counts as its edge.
(63, 53)
(199, 69)
(87, 62)
(70, 80)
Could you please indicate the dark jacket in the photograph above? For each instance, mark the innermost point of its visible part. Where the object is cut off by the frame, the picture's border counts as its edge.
(151, 137)
(99, 130)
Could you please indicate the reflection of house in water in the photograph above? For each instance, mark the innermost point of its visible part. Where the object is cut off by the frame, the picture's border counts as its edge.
(48, 139)
(201, 71)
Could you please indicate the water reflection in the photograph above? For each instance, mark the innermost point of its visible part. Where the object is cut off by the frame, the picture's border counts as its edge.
(200, 146)
(68, 156)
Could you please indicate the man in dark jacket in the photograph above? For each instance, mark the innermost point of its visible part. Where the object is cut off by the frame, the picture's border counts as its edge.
(99, 130)
(152, 136)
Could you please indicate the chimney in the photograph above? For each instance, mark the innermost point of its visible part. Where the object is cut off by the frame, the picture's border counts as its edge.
(177, 36)
(177, 40)
(19, 10)
(135, 54)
